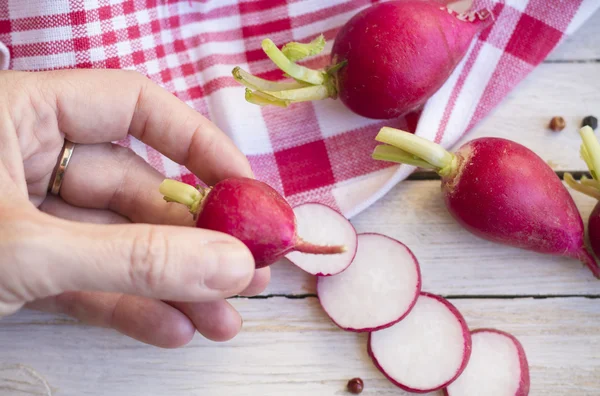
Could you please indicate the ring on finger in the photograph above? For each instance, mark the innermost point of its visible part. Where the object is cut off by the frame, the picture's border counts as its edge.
(61, 167)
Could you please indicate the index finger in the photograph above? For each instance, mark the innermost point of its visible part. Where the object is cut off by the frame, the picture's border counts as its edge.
(105, 105)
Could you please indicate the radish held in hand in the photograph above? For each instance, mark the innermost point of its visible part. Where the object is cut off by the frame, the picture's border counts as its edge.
(590, 152)
(387, 60)
(497, 367)
(318, 223)
(378, 289)
(249, 210)
(499, 190)
(425, 351)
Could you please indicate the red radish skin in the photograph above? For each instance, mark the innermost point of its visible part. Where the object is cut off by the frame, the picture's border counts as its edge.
(400, 352)
(594, 229)
(249, 210)
(386, 61)
(501, 191)
(416, 45)
(318, 223)
(377, 290)
(485, 375)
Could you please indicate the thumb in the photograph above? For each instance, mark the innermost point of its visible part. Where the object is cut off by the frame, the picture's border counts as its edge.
(156, 261)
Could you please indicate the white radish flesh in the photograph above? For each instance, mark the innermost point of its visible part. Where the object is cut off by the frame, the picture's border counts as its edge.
(425, 351)
(378, 289)
(497, 367)
(321, 225)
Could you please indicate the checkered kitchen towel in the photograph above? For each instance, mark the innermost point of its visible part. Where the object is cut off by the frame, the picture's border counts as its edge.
(311, 151)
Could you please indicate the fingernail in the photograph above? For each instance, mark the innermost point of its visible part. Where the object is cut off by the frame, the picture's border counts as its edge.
(234, 268)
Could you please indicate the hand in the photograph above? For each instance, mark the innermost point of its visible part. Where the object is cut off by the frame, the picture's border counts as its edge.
(109, 250)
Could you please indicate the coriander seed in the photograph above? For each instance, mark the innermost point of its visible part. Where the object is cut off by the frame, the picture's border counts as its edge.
(557, 123)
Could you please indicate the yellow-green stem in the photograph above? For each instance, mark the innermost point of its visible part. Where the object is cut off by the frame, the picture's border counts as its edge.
(309, 84)
(586, 189)
(298, 72)
(315, 92)
(260, 84)
(590, 150)
(262, 99)
(297, 51)
(419, 148)
(176, 191)
(383, 152)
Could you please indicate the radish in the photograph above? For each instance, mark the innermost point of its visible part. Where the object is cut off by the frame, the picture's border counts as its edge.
(497, 367)
(498, 190)
(318, 223)
(249, 210)
(378, 289)
(386, 61)
(427, 350)
(590, 152)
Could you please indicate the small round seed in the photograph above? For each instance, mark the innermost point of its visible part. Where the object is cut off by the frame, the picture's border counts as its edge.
(557, 123)
(355, 386)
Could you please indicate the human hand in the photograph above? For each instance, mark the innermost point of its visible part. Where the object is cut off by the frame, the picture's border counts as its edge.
(108, 250)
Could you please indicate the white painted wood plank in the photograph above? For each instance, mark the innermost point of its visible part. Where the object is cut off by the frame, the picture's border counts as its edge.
(583, 45)
(570, 90)
(453, 261)
(289, 347)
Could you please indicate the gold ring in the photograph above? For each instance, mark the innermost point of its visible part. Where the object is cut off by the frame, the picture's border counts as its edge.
(61, 167)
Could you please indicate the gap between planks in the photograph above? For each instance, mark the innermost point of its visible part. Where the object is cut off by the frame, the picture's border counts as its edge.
(447, 296)
(428, 175)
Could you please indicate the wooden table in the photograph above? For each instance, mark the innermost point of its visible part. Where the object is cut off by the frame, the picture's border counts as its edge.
(289, 347)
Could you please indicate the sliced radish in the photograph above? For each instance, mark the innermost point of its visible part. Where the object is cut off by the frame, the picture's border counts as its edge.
(427, 350)
(322, 225)
(497, 367)
(377, 290)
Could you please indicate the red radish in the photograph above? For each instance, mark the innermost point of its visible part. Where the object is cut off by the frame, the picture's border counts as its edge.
(386, 61)
(378, 289)
(590, 152)
(427, 350)
(249, 210)
(497, 367)
(498, 190)
(318, 223)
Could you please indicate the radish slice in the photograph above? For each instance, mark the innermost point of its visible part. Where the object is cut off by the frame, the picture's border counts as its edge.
(377, 290)
(319, 224)
(427, 350)
(497, 367)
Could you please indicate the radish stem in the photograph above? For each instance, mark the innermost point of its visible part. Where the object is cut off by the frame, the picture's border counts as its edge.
(309, 85)
(420, 149)
(315, 92)
(297, 51)
(262, 99)
(384, 152)
(295, 71)
(590, 182)
(257, 83)
(586, 189)
(590, 150)
(175, 191)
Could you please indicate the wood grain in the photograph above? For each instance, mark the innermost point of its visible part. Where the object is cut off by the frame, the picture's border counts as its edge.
(453, 261)
(289, 347)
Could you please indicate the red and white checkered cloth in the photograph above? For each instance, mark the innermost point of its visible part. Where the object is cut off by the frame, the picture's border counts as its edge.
(316, 151)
